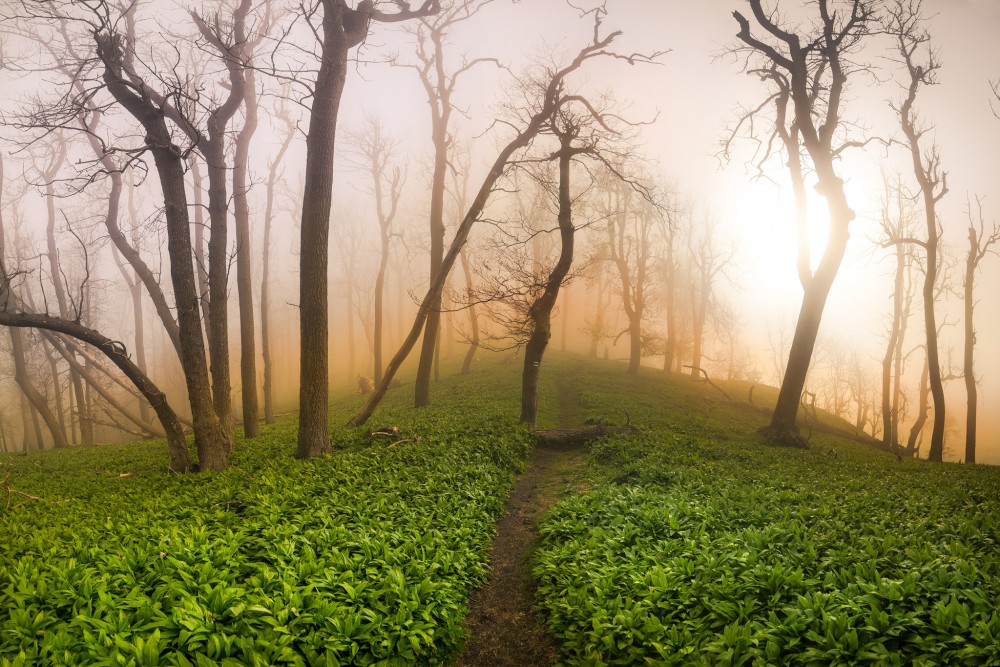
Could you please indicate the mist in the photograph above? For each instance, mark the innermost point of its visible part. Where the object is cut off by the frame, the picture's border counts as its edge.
(706, 225)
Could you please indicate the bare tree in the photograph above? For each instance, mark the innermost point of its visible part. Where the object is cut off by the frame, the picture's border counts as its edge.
(265, 278)
(597, 327)
(375, 151)
(668, 228)
(629, 248)
(39, 405)
(245, 45)
(809, 72)
(897, 217)
(49, 174)
(461, 164)
(981, 242)
(341, 30)
(228, 38)
(529, 128)
(440, 85)
(913, 42)
(708, 261)
(115, 52)
(578, 127)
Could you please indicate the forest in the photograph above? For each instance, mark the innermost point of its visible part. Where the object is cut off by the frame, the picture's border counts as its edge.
(498, 332)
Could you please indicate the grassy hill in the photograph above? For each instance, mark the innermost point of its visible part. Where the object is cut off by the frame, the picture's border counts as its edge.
(690, 543)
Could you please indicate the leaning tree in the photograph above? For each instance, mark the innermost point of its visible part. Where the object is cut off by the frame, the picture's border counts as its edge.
(807, 66)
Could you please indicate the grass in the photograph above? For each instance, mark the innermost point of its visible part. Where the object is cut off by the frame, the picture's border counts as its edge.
(364, 556)
(691, 543)
(697, 544)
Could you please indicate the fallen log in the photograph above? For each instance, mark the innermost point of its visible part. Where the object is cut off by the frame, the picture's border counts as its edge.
(574, 437)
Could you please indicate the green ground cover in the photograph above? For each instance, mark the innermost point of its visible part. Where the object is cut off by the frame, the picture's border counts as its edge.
(691, 543)
(695, 544)
(364, 556)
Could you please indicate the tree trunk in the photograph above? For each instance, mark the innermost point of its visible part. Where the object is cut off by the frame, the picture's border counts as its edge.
(699, 305)
(200, 255)
(314, 360)
(923, 393)
(57, 395)
(428, 351)
(213, 441)
(473, 316)
(670, 344)
(890, 420)
(540, 311)
(968, 366)
(352, 352)
(138, 320)
(830, 186)
(380, 307)
(244, 279)
(218, 273)
(265, 279)
(936, 451)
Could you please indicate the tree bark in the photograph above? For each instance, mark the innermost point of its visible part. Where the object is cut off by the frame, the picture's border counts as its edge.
(923, 392)
(968, 365)
(212, 440)
(540, 311)
(314, 360)
(439, 98)
(244, 279)
(890, 420)
(470, 354)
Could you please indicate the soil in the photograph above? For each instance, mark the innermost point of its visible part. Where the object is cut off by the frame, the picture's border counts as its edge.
(504, 627)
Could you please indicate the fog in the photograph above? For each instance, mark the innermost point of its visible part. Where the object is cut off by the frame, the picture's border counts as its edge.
(682, 107)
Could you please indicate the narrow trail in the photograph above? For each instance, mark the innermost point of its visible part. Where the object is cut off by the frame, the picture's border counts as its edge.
(504, 628)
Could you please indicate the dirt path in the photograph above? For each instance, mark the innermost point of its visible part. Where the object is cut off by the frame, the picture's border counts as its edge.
(503, 625)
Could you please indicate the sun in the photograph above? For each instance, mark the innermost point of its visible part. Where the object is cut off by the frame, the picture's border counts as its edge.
(761, 217)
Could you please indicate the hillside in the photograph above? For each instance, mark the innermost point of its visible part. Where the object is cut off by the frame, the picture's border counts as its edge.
(690, 542)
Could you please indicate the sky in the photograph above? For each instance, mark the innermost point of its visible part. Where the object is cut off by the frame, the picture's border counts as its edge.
(695, 94)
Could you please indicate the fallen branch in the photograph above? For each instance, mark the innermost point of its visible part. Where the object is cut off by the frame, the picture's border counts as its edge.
(9, 491)
(705, 378)
(574, 437)
(404, 440)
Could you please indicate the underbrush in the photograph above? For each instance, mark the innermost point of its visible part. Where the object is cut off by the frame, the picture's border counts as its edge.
(697, 544)
(362, 556)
